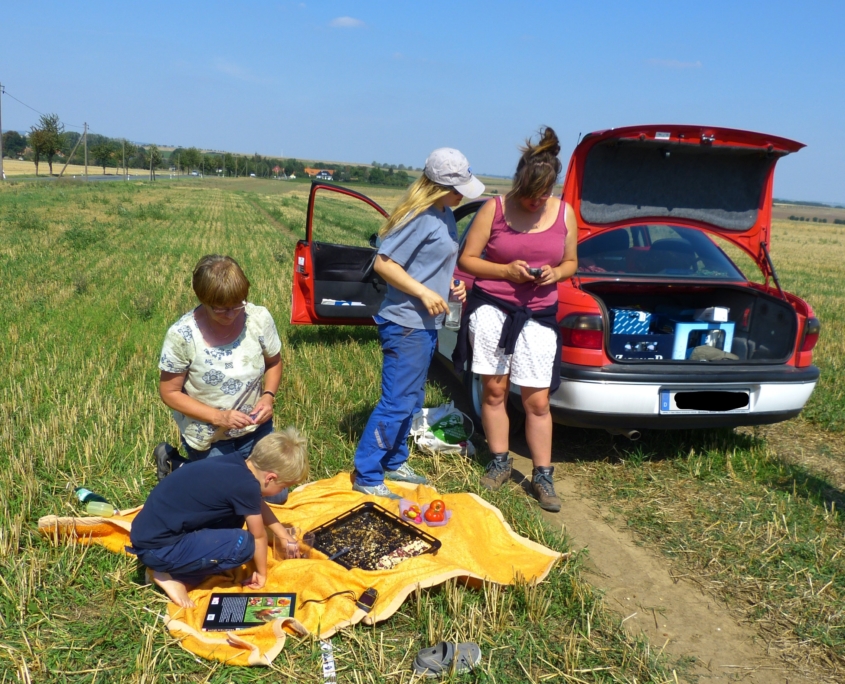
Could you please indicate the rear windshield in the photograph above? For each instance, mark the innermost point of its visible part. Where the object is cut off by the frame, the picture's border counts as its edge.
(668, 251)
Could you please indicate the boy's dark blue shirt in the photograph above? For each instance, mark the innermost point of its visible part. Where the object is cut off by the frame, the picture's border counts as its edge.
(215, 493)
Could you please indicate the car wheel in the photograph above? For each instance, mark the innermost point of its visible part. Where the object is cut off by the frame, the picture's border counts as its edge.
(475, 392)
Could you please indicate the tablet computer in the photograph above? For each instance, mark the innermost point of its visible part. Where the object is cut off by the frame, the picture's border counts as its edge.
(240, 611)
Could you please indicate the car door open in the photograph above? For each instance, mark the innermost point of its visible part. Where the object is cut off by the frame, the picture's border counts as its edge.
(333, 281)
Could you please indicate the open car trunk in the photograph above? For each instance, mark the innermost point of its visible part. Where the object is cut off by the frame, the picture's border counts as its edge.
(685, 323)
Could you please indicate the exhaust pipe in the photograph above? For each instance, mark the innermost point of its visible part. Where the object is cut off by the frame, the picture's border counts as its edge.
(633, 435)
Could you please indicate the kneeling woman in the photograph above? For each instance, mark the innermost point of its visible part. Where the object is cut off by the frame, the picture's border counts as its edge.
(417, 259)
(529, 240)
(220, 369)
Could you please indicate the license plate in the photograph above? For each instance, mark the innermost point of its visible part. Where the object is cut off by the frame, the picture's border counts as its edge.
(705, 401)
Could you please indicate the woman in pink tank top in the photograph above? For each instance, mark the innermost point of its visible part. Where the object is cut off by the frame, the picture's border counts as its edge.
(528, 240)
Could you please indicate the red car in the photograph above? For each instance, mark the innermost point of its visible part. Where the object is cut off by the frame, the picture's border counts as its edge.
(660, 327)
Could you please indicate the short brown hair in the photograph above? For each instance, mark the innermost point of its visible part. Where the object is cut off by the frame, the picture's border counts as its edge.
(283, 453)
(538, 168)
(219, 281)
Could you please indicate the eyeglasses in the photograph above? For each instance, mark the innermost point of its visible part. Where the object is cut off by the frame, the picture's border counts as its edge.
(227, 310)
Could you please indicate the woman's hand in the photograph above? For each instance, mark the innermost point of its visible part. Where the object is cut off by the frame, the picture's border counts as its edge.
(263, 410)
(549, 275)
(459, 290)
(233, 420)
(433, 302)
(517, 272)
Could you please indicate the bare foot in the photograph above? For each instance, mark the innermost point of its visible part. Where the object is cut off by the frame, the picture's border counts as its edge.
(175, 590)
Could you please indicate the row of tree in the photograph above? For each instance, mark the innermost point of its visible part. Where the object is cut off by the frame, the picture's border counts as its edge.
(49, 140)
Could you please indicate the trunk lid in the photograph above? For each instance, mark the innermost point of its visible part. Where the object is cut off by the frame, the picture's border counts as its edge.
(716, 179)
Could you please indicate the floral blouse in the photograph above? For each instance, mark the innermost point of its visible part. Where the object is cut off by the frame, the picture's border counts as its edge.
(225, 377)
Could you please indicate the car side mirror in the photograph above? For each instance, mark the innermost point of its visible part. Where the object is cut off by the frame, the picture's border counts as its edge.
(373, 240)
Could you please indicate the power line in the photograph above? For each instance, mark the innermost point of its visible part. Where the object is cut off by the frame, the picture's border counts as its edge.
(6, 92)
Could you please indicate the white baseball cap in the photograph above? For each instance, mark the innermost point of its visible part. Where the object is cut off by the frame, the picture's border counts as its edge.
(446, 166)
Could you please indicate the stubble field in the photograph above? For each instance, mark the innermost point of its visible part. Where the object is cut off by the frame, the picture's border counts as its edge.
(93, 275)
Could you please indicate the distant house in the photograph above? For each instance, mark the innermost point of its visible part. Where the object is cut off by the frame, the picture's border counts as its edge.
(319, 174)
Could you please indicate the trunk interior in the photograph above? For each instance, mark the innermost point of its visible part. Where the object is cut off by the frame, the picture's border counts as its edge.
(679, 323)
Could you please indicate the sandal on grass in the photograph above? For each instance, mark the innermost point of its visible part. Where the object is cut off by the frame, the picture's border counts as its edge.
(447, 658)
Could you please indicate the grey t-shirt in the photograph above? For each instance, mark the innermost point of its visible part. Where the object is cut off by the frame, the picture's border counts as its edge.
(427, 248)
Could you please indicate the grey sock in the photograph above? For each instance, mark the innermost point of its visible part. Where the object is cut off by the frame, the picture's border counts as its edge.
(544, 470)
(501, 457)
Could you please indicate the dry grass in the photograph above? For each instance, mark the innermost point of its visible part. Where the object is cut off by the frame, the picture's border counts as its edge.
(93, 276)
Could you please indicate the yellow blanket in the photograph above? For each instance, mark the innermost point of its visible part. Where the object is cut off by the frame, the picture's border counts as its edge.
(477, 543)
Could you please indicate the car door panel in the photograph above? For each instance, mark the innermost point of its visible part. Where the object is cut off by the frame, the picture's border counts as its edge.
(334, 282)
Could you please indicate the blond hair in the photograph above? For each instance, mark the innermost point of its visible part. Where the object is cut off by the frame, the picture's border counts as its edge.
(538, 167)
(283, 453)
(420, 196)
(219, 281)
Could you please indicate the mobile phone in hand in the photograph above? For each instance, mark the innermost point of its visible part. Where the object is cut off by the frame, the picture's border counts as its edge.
(535, 272)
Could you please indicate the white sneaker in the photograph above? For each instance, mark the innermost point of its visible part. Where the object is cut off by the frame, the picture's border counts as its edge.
(376, 490)
(405, 473)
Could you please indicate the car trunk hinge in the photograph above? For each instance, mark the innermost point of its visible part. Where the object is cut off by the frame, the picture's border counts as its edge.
(771, 268)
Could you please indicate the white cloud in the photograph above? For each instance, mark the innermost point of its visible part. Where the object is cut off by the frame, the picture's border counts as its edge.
(234, 70)
(674, 64)
(346, 22)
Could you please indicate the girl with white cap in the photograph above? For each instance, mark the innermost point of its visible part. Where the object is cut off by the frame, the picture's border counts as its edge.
(417, 259)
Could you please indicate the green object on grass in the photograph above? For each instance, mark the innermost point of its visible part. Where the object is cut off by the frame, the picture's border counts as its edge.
(450, 429)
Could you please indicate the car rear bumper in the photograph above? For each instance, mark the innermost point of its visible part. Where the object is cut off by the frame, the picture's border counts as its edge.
(630, 397)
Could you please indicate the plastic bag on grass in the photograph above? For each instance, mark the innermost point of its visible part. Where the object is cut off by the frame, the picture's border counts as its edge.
(443, 429)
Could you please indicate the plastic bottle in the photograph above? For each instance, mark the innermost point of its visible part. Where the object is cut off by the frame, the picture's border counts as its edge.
(86, 495)
(102, 509)
(453, 318)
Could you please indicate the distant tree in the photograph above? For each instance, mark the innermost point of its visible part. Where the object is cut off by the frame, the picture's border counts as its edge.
(13, 143)
(38, 144)
(103, 153)
(50, 138)
(190, 159)
(155, 159)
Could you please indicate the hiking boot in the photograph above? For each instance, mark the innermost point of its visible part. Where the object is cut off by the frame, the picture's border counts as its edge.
(376, 490)
(498, 472)
(404, 473)
(543, 488)
(167, 459)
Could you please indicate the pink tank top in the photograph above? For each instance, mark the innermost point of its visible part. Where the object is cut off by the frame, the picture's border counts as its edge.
(538, 249)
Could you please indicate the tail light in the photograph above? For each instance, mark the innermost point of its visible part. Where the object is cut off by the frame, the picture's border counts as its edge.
(812, 328)
(582, 330)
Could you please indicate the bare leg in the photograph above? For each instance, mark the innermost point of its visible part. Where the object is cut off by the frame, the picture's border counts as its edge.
(538, 424)
(494, 413)
(175, 590)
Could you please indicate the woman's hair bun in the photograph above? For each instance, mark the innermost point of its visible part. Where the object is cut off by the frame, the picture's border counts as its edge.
(548, 144)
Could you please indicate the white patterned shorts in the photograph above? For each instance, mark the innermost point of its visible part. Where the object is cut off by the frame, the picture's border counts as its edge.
(533, 357)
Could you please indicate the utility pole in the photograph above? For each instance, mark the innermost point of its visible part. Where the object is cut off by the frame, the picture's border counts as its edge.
(124, 160)
(2, 172)
(86, 150)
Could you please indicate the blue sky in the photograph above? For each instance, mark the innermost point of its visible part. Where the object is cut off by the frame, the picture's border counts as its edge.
(389, 81)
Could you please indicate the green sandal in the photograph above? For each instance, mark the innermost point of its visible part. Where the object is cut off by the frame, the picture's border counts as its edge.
(447, 658)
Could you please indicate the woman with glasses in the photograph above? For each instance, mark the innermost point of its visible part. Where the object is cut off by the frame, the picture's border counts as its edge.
(220, 368)
(417, 260)
(519, 247)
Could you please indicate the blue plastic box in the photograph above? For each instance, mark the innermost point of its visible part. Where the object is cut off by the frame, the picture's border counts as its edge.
(630, 322)
(688, 337)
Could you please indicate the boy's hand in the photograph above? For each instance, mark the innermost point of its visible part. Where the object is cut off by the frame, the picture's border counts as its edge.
(256, 581)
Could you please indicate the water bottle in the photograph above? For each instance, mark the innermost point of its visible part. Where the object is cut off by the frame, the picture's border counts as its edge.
(453, 318)
(103, 509)
(86, 495)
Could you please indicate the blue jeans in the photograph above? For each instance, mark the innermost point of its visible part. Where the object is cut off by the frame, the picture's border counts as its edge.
(200, 554)
(384, 443)
(242, 445)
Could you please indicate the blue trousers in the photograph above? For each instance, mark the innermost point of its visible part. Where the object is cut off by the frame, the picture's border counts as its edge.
(384, 443)
(242, 445)
(200, 554)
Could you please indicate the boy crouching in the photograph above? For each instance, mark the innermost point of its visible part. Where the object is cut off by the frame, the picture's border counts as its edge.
(191, 525)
